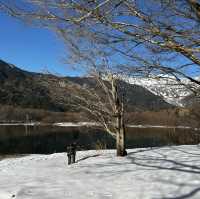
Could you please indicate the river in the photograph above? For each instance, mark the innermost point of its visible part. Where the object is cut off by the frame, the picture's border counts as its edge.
(44, 139)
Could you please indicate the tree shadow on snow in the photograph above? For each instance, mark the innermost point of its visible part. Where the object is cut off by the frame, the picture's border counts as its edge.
(183, 162)
(86, 157)
(161, 162)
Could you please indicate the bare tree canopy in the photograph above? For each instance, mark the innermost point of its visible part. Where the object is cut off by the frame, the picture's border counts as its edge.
(137, 36)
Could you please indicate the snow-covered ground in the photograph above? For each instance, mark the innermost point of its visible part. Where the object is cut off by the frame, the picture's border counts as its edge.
(74, 124)
(168, 172)
(89, 124)
(20, 124)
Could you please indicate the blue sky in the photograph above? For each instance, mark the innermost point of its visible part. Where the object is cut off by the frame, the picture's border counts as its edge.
(30, 48)
(38, 49)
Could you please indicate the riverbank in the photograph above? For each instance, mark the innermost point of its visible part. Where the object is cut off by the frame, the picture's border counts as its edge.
(93, 124)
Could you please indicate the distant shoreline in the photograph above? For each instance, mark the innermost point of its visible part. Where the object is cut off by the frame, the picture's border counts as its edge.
(93, 124)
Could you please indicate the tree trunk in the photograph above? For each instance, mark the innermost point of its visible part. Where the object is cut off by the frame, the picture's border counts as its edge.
(120, 127)
(120, 138)
(120, 143)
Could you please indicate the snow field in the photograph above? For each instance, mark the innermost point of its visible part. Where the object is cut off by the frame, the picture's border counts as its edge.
(167, 172)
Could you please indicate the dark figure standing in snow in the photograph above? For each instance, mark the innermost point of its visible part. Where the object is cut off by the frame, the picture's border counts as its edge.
(71, 153)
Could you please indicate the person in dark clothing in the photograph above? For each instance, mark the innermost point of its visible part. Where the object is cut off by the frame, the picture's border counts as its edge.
(71, 153)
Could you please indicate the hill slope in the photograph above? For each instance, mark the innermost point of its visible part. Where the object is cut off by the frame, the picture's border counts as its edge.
(44, 91)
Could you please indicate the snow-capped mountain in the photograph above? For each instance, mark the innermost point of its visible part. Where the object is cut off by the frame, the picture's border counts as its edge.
(167, 87)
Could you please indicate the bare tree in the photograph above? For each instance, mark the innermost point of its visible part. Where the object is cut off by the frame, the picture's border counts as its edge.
(137, 37)
(104, 102)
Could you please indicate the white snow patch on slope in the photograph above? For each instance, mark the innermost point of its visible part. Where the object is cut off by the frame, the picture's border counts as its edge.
(166, 87)
(168, 172)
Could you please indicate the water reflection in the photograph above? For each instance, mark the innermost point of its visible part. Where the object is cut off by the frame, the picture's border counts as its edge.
(50, 139)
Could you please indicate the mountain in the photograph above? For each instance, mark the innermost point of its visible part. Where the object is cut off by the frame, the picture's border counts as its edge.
(191, 100)
(50, 92)
(137, 97)
(22, 88)
(165, 87)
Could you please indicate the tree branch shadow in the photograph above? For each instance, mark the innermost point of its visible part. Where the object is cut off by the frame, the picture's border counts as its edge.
(162, 163)
(184, 161)
(187, 195)
(85, 158)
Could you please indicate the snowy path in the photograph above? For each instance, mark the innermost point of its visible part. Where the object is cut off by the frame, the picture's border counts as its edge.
(158, 173)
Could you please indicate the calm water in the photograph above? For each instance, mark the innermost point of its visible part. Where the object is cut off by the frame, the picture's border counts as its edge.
(49, 139)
